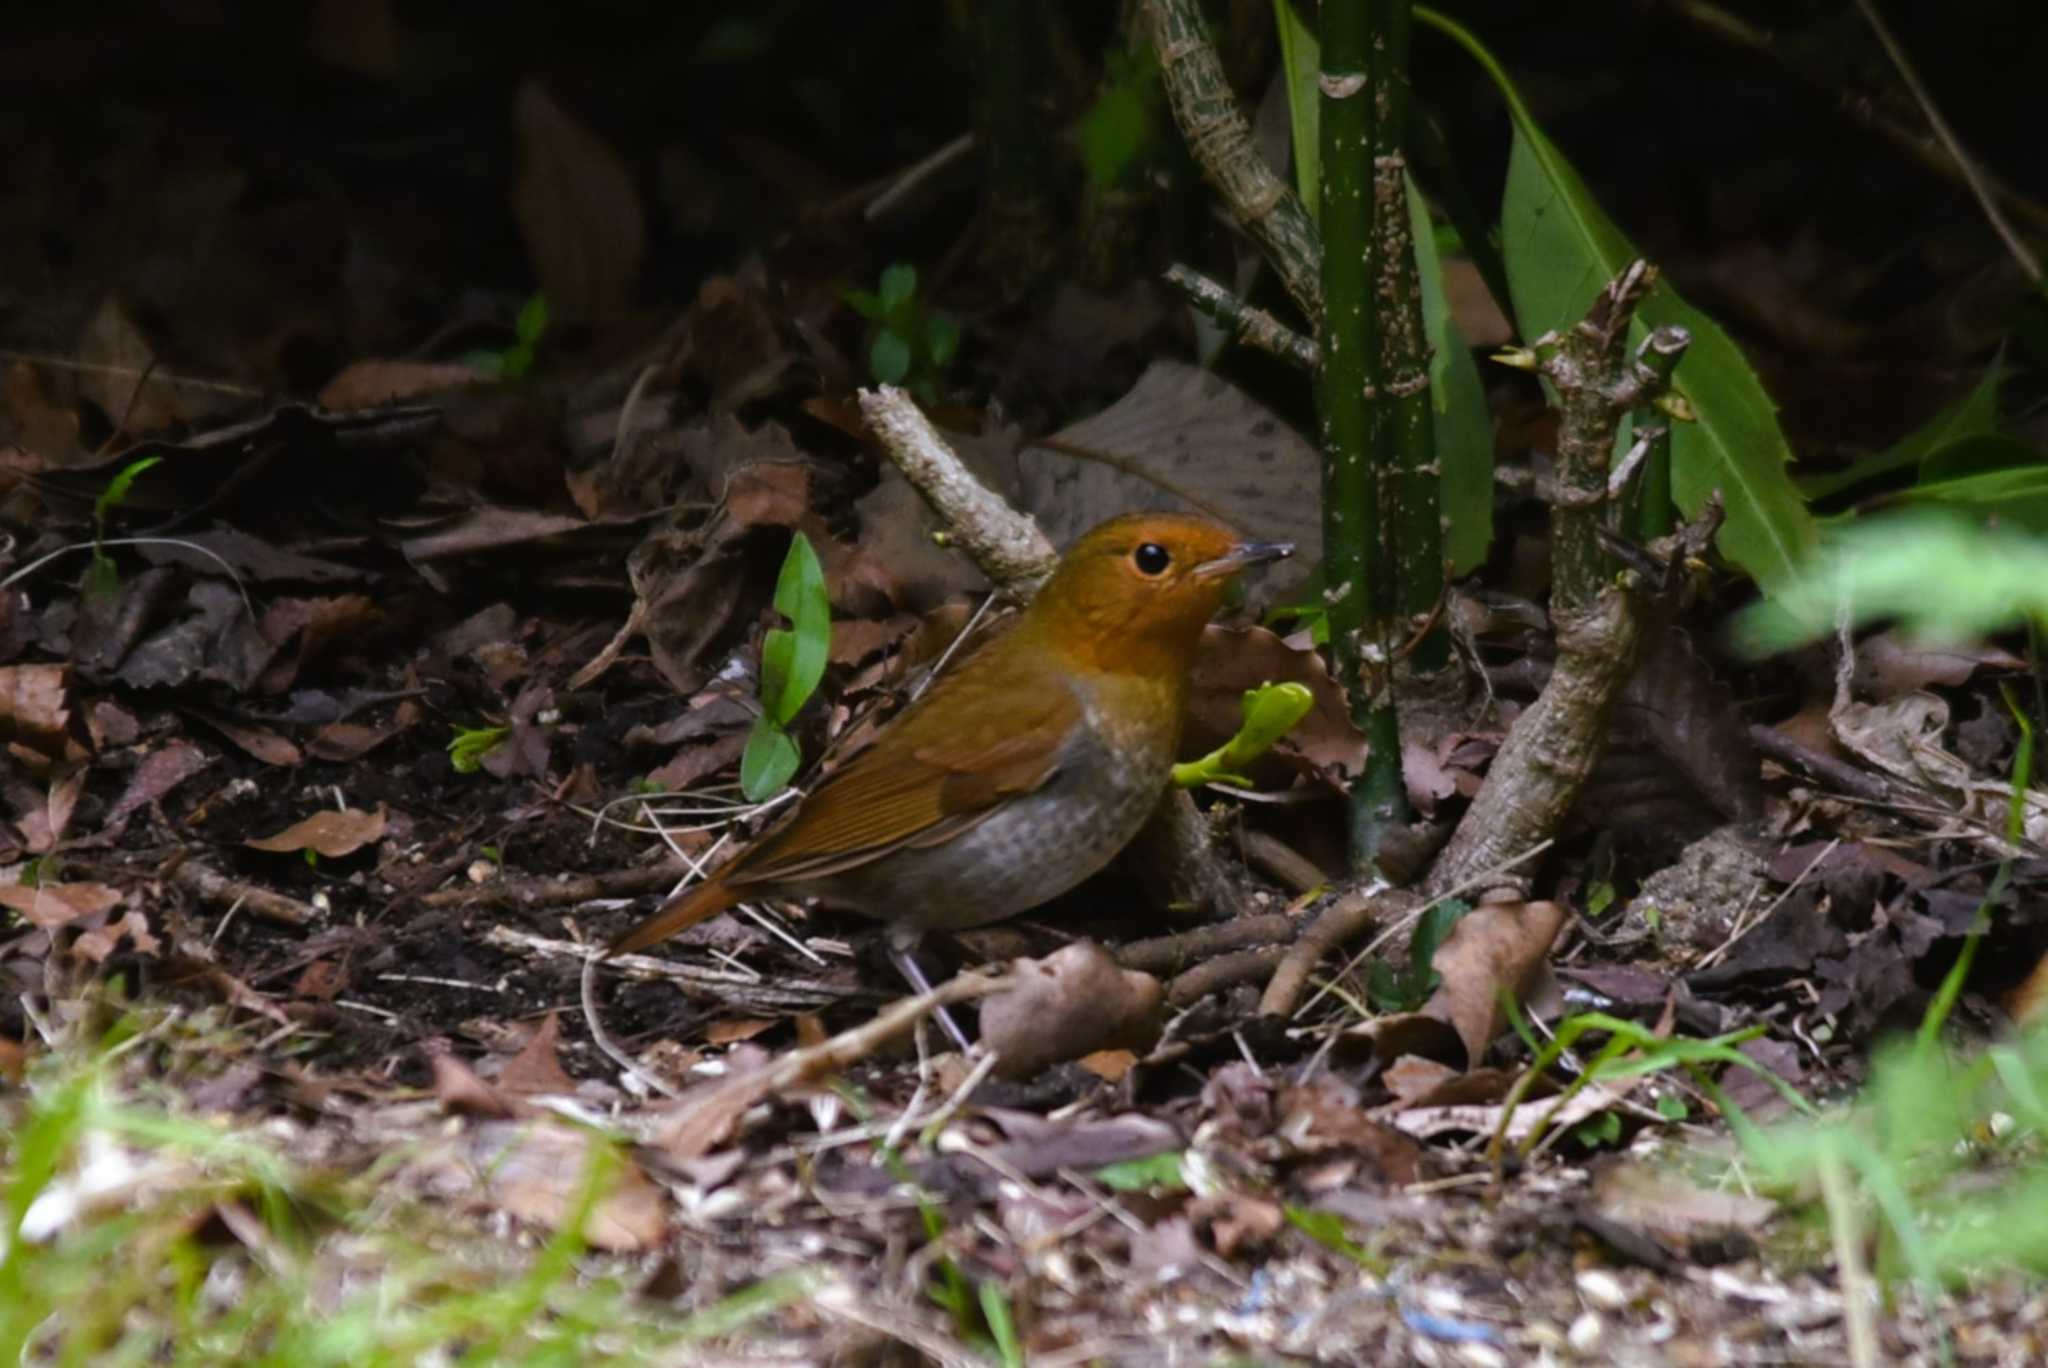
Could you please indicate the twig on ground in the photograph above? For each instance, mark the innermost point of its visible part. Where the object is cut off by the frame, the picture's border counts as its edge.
(769, 997)
(1166, 954)
(1225, 971)
(1346, 918)
(702, 1118)
(213, 886)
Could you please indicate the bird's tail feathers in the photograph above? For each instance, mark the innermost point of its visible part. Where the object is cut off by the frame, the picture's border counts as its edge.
(683, 911)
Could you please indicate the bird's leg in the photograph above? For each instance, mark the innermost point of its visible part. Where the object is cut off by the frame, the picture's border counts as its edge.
(903, 954)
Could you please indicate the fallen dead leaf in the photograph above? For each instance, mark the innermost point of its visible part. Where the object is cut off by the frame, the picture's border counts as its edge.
(331, 833)
(1495, 948)
(538, 1067)
(1074, 1002)
(577, 209)
(50, 906)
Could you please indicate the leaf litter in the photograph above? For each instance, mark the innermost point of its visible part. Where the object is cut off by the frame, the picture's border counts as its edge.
(322, 595)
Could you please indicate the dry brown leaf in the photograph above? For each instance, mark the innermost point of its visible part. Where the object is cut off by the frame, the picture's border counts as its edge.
(578, 211)
(536, 1170)
(50, 906)
(538, 1067)
(118, 359)
(1074, 1002)
(264, 744)
(1891, 663)
(1495, 947)
(1233, 659)
(331, 833)
(733, 1029)
(1187, 440)
(33, 708)
(162, 770)
(98, 944)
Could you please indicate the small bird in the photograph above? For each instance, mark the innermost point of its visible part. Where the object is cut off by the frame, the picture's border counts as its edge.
(1019, 772)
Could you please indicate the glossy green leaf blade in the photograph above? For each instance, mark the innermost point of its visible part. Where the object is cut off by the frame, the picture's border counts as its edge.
(1561, 249)
(1301, 62)
(1974, 415)
(1464, 424)
(2018, 495)
(793, 661)
(768, 762)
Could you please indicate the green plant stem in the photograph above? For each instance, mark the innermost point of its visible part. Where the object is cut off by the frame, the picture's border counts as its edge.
(1415, 517)
(1356, 567)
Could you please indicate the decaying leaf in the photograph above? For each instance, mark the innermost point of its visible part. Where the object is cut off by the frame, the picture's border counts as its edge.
(1187, 440)
(578, 210)
(332, 833)
(1074, 1002)
(52, 905)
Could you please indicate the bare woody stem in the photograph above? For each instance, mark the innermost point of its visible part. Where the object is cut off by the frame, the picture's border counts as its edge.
(1245, 323)
(1220, 139)
(1598, 616)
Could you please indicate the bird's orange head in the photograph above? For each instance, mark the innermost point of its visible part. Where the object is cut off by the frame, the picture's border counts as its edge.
(1134, 593)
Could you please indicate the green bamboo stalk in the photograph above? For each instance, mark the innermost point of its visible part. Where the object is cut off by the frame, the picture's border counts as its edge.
(1357, 560)
(1414, 513)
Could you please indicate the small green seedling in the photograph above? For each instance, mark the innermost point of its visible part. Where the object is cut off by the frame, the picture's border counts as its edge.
(792, 663)
(471, 744)
(913, 344)
(103, 578)
(1270, 712)
(516, 361)
(1407, 989)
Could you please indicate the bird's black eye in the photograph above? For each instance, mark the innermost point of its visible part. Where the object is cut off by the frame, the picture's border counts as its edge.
(1151, 559)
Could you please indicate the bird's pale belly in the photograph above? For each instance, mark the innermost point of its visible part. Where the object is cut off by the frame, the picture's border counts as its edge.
(1029, 851)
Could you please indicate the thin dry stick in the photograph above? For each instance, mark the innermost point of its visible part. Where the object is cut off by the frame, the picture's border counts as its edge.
(701, 1118)
(1005, 544)
(1973, 176)
(1343, 919)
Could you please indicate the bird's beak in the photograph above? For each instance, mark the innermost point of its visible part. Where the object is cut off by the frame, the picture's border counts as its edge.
(1242, 555)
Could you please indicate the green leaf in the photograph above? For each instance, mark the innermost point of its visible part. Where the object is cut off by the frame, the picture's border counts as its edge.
(1327, 1229)
(2016, 495)
(471, 744)
(1944, 576)
(1672, 1108)
(1464, 423)
(1270, 711)
(1002, 1326)
(768, 762)
(899, 287)
(1432, 931)
(1974, 415)
(866, 303)
(941, 338)
(889, 357)
(1301, 59)
(116, 492)
(1980, 453)
(793, 660)
(532, 321)
(1153, 1172)
(1116, 129)
(1603, 1129)
(1561, 250)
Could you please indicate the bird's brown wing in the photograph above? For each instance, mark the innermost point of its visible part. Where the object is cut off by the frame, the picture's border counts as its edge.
(932, 778)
